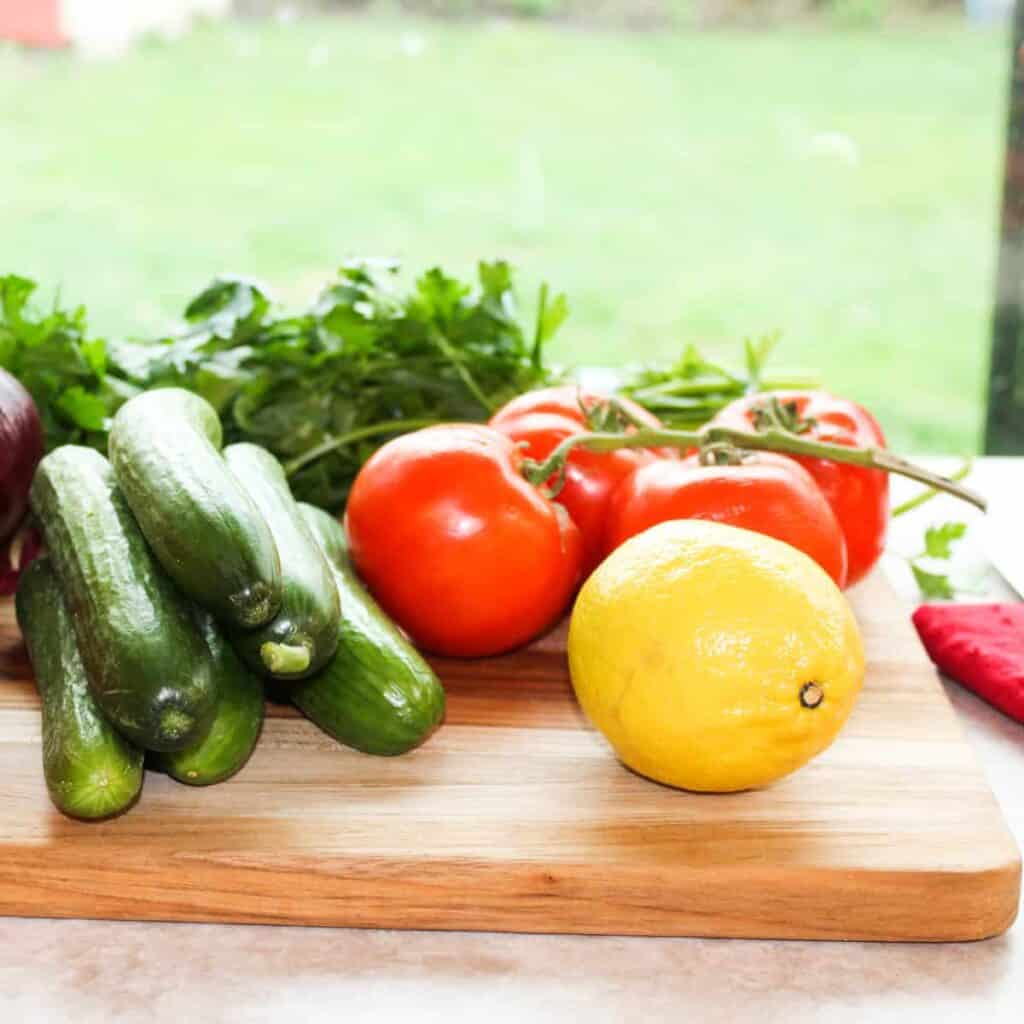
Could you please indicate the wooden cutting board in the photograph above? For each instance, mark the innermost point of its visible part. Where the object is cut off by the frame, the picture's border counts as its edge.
(516, 817)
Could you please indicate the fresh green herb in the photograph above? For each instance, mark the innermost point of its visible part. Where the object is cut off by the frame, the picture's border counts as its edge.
(939, 541)
(689, 392)
(933, 586)
(64, 370)
(322, 389)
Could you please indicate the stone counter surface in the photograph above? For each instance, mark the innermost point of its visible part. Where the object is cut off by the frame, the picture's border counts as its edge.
(89, 971)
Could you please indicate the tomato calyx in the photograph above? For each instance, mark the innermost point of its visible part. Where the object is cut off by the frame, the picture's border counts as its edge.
(720, 441)
(771, 412)
(721, 454)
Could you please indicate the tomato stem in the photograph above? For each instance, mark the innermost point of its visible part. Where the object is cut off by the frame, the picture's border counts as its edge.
(771, 439)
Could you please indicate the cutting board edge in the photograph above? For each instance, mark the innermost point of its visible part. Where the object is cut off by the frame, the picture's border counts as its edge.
(963, 905)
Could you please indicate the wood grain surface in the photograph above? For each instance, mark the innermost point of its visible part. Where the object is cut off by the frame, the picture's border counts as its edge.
(516, 817)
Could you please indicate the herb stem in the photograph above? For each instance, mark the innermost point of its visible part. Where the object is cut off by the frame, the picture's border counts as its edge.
(332, 444)
(926, 495)
(461, 369)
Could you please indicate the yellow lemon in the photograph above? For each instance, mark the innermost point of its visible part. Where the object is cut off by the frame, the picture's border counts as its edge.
(714, 658)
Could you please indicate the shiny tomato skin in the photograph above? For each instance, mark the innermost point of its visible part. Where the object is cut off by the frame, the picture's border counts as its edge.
(457, 547)
(565, 400)
(590, 477)
(768, 493)
(859, 497)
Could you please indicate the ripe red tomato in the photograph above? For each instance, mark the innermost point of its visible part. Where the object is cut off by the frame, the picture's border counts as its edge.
(768, 493)
(463, 553)
(577, 404)
(859, 497)
(541, 420)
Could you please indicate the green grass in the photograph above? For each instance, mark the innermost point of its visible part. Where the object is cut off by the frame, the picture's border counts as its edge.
(667, 182)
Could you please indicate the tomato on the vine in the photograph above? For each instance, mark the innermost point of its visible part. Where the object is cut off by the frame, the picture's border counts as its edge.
(588, 408)
(859, 497)
(462, 552)
(540, 420)
(766, 493)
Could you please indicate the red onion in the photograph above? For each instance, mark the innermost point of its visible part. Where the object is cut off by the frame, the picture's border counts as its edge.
(15, 555)
(21, 448)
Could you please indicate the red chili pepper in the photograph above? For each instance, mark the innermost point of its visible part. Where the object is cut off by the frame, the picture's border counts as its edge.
(981, 646)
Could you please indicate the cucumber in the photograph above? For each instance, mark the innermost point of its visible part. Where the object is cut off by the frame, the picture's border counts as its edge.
(205, 530)
(148, 667)
(377, 694)
(305, 632)
(91, 771)
(236, 723)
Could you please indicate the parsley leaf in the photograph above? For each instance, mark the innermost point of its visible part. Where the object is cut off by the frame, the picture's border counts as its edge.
(933, 586)
(61, 366)
(939, 540)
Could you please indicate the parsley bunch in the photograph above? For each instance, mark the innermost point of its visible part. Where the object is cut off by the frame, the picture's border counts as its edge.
(64, 370)
(322, 388)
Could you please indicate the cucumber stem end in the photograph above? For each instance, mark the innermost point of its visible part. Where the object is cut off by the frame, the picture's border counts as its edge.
(285, 659)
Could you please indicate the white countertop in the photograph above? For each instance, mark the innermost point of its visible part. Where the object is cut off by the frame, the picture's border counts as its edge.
(88, 971)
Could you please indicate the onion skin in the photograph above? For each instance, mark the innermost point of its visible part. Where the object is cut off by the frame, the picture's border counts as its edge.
(21, 448)
(16, 554)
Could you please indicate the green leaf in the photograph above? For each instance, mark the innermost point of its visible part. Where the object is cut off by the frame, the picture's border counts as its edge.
(229, 306)
(15, 292)
(550, 317)
(440, 295)
(85, 410)
(495, 278)
(757, 354)
(939, 540)
(94, 351)
(933, 586)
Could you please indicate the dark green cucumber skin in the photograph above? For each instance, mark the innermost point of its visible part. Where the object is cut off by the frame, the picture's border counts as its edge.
(378, 694)
(205, 530)
(91, 771)
(310, 609)
(148, 667)
(236, 722)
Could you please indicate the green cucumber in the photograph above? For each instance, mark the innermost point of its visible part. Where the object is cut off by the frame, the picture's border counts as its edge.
(205, 530)
(91, 771)
(148, 667)
(377, 694)
(236, 723)
(305, 632)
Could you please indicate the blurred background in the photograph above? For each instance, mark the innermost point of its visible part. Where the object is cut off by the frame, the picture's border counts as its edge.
(685, 170)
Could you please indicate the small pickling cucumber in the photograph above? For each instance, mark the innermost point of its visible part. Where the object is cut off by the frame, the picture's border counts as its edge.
(304, 633)
(236, 722)
(148, 667)
(205, 530)
(377, 694)
(91, 770)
